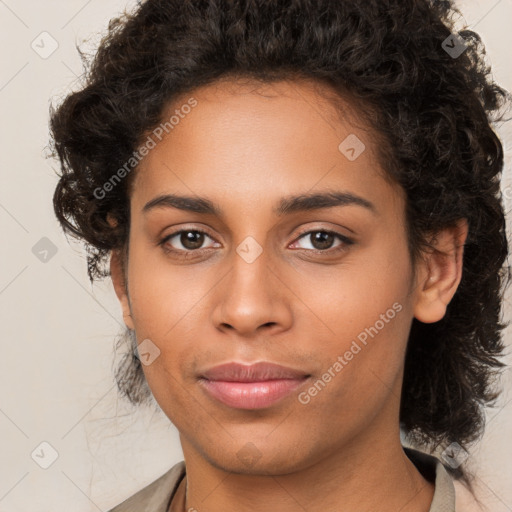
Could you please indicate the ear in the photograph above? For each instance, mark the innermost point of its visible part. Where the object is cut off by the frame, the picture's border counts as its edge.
(119, 281)
(440, 272)
(117, 275)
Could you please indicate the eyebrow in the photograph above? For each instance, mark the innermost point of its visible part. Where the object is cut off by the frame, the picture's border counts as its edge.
(287, 205)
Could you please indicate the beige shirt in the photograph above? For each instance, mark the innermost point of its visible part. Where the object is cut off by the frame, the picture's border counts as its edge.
(158, 495)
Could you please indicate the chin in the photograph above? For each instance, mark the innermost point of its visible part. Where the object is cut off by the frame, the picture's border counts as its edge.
(255, 459)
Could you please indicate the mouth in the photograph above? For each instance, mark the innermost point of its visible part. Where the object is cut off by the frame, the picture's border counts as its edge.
(254, 386)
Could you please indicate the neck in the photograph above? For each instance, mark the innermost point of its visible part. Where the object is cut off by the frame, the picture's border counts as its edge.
(356, 477)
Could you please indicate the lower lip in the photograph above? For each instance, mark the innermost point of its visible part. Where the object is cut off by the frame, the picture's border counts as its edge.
(250, 395)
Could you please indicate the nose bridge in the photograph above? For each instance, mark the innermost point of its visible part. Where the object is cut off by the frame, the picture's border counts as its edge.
(250, 269)
(249, 297)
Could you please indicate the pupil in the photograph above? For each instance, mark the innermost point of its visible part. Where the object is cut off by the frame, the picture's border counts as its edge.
(192, 239)
(324, 239)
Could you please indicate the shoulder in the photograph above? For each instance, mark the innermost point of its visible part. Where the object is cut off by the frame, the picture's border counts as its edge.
(450, 494)
(156, 496)
(433, 470)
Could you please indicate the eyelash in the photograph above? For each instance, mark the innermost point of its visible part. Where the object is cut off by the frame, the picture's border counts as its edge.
(184, 253)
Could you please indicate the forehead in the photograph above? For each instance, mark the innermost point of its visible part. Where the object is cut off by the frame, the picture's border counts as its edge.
(256, 141)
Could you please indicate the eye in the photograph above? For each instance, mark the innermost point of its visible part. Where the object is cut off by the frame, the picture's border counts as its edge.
(189, 239)
(322, 240)
(192, 240)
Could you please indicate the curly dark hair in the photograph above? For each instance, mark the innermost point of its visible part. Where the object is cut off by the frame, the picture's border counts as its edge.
(432, 109)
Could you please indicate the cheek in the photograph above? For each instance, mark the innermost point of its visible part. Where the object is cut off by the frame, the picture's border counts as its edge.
(366, 296)
(175, 397)
(366, 314)
(360, 377)
(365, 360)
(164, 297)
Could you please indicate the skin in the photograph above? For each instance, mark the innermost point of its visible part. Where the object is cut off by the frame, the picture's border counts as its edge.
(245, 147)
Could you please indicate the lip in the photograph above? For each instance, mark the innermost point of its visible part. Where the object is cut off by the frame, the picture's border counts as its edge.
(254, 386)
(257, 372)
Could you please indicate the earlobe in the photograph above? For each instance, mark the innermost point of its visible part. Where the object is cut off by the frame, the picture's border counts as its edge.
(440, 273)
(119, 282)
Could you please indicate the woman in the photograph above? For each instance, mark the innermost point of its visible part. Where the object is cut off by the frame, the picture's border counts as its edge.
(300, 205)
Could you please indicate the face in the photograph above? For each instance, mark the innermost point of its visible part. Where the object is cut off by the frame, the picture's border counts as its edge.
(258, 273)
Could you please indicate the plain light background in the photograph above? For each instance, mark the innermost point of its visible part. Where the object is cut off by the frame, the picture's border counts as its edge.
(58, 331)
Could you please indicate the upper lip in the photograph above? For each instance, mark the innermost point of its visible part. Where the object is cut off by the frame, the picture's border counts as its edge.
(257, 372)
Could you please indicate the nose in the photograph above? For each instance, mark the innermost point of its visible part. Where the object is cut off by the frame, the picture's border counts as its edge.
(252, 298)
